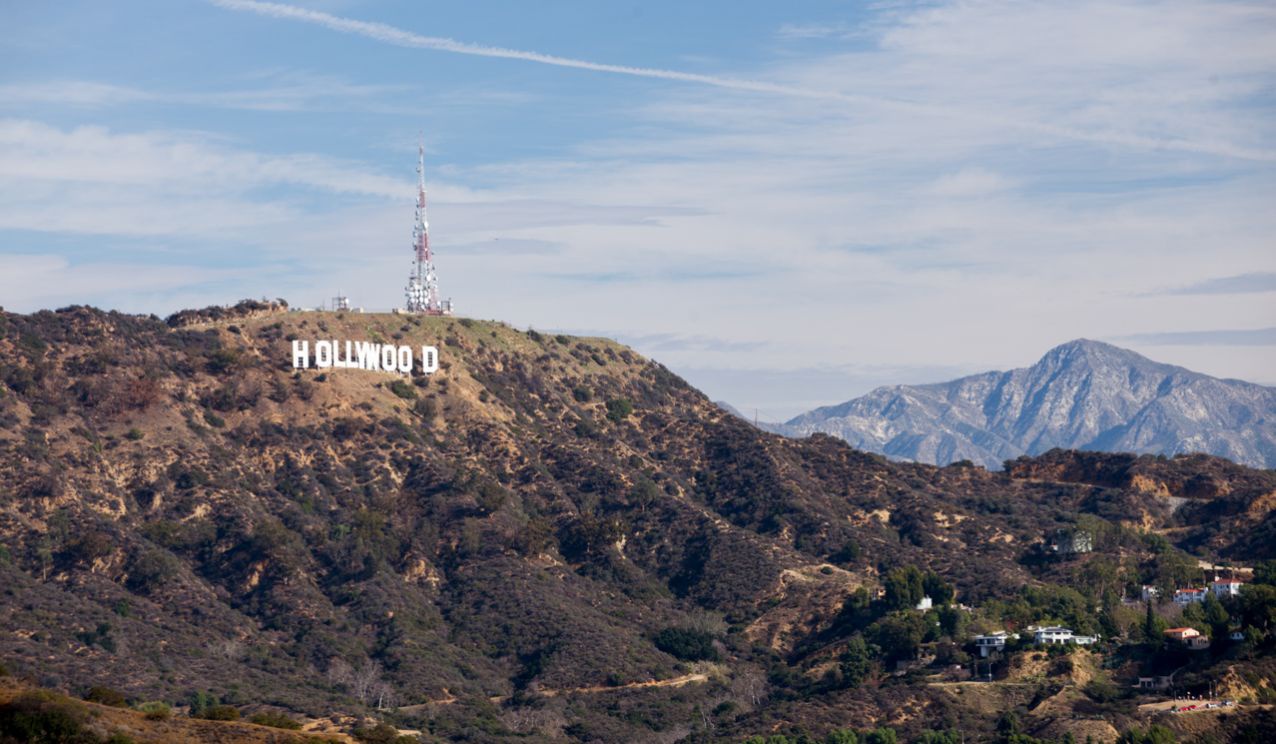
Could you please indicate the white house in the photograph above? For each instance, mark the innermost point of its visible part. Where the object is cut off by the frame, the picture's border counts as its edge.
(925, 604)
(1056, 635)
(1149, 593)
(1188, 596)
(1052, 634)
(993, 642)
(1226, 588)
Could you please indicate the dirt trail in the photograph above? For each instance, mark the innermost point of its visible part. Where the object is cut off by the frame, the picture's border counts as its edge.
(686, 679)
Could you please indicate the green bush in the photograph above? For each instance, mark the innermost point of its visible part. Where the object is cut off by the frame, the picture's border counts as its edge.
(154, 710)
(220, 713)
(274, 719)
(382, 733)
(402, 389)
(686, 644)
(43, 717)
(222, 361)
(106, 696)
(90, 547)
(134, 434)
(618, 409)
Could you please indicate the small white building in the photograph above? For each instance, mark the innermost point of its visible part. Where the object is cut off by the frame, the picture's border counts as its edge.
(1189, 596)
(1149, 593)
(925, 604)
(1226, 588)
(1159, 682)
(993, 642)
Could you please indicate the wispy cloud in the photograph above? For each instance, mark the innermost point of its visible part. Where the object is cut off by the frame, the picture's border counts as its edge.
(819, 31)
(388, 34)
(91, 180)
(1244, 337)
(70, 92)
(1258, 281)
(281, 91)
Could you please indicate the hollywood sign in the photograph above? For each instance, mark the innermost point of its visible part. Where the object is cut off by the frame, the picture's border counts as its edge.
(362, 355)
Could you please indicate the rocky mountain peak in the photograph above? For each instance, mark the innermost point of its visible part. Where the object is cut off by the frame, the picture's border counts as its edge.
(1082, 394)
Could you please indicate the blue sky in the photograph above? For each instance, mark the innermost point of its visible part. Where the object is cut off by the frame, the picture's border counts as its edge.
(788, 203)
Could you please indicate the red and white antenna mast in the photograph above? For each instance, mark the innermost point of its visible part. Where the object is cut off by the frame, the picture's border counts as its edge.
(423, 285)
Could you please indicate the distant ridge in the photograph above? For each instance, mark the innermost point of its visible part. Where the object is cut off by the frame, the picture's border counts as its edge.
(1081, 395)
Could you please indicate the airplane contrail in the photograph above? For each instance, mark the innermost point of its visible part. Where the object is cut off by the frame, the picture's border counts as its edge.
(399, 37)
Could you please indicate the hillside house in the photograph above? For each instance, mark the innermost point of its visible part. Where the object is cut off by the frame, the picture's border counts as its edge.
(1158, 682)
(1181, 634)
(1149, 593)
(993, 642)
(1188, 596)
(1055, 635)
(1226, 588)
(925, 604)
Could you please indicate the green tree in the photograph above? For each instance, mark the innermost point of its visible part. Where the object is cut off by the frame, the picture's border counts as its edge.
(856, 662)
(1265, 573)
(903, 588)
(940, 591)
(1258, 605)
(1217, 617)
(1153, 627)
(899, 634)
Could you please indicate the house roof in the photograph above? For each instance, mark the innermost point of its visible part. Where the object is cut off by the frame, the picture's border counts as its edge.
(1180, 630)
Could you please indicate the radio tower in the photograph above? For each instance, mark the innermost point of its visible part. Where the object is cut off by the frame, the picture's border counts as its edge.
(423, 285)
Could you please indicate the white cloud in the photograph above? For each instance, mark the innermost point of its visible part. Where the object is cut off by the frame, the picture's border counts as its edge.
(944, 217)
(930, 32)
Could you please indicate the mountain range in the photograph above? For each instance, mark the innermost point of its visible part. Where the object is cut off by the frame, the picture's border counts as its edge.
(1081, 395)
(550, 540)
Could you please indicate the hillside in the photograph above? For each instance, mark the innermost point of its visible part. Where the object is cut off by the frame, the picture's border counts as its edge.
(1081, 395)
(550, 539)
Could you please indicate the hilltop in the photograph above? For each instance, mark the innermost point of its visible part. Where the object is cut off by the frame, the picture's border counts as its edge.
(550, 539)
(1081, 395)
